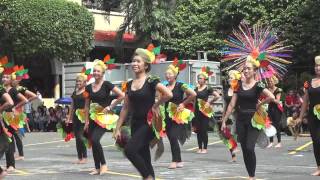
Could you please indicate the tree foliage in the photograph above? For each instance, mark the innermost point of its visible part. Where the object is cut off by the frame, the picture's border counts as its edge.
(54, 28)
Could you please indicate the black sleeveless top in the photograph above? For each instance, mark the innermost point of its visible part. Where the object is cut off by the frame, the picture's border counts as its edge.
(78, 100)
(248, 99)
(102, 97)
(314, 97)
(141, 100)
(14, 95)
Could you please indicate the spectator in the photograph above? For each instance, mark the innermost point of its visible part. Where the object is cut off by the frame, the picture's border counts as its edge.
(28, 111)
(52, 120)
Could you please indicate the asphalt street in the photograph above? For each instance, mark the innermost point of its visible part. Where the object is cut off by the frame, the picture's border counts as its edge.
(48, 157)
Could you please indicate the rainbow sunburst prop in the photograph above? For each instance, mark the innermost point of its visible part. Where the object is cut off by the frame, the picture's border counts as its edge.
(260, 45)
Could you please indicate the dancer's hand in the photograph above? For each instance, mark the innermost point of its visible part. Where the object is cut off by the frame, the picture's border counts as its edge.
(207, 105)
(155, 111)
(180, 107)
(298, 121)
(86, 126)
(223, 125)
(107, 109)
(116, 134)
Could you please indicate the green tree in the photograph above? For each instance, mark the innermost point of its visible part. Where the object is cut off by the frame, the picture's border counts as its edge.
(50, 28)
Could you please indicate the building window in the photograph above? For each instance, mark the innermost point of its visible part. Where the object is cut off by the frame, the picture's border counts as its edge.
(104, 5)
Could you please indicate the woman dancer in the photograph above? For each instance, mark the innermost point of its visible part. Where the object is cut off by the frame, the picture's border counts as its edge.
(275, 109)
(98, 100)
(233, 82)
(139, 100)
(76, 115)
(12, 116)
(21, 74)
(311, 104)
(261, 51)
(245, 101)
(175, 122)
(203, 110)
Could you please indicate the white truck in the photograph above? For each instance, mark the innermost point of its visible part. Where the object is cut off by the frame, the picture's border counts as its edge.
(124, 73)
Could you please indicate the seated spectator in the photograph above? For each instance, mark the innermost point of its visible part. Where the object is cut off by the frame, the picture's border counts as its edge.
(52, 120)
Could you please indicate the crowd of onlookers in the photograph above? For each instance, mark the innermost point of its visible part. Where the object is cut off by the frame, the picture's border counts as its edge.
(292, 103)
(45, 119)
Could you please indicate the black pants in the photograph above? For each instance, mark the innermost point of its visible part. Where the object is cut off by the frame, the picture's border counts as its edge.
(78, 133)
(96, 132)
(314, 126)
(201, 124)
(173, 131)
(275, 117)
(247, 136)
(10, 152)
(18, 142)
(137, 150)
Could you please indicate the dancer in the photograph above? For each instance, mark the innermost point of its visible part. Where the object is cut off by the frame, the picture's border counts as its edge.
(98, 102)
(275, 109)
(6, 102)
(13, 117)
(229, 135)
(139, 100)
(255, 52)
(76, 115)
(21, 74)
(177, 116)
(203, 110)
(311, 104)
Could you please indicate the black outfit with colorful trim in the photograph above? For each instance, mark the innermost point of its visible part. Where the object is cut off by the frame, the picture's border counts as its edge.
(313, 121)
(247, 134)
(137, 149)
(201, 122)
(103, 98)
(275, 115)
(78, 126)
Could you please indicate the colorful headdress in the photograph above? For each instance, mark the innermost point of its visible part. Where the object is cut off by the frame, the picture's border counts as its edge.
(3, 61)
(85, 74)
(177, 66)
(149, 54)
(234, 74)
(106, 64)
(205, 71)
(20, 72)
(109, 62)
(259, 46)
(317, 60)
(7, 66)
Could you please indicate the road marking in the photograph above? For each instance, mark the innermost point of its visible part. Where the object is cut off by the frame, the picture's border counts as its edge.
(194, 148)
(111, 145)
(233, 177)
(49, 142)
(300, 148)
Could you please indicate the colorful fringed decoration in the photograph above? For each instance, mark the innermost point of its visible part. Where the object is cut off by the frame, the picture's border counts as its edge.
(104, 120)
(157, 124)
(206, 110)
(65, 130)
(15, 121)
(81, 115)
(227, 138)
(180, 117)
(125, 135)
(259, 119)
(316, 111)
